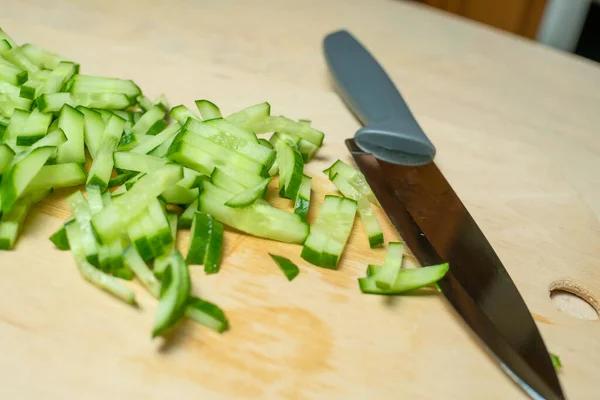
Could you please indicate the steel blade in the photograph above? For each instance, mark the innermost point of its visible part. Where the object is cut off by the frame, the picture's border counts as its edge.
(437, 227)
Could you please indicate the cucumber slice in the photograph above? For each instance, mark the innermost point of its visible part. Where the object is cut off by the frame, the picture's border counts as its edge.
(177, 194)
(387, 275)
(249, 196)
(207, 314)
(208, 110)
(99, 84)
(191, 157)
(259, 219)
(250, 114)
(151, 123)
(155, 141)
(71, 122)
(291, 169)
(307, 149)
(185, 222)
(12, 222)
(42, 58)
(289, 269)
(31, 89)
(6, 156)
(286, 125)
(81, 212)
(133, 261)
(144, 102)
(15, 126)
(18, 58)
(161, 262)
(122, 178)
(94, 198)
(10, 103)
(181, 114)
(12, 74)
(9, 40)
(199, 237)
(174, 293)
(327, 239)
(407, 280)
(93, 129)
(92, 274)
(224, 181)
(109, 101)
(163, 149)
(102, 166)
(9, 89)
(111, 221)
(212, 261)
(218, 131)
(16, 179)
(59, 77)
(302, 203)
(58, 176)
(137, 162)
(354, 177)
(264, 142)
(59, 238)
(4, 45)
(370, 223)
(232, 129)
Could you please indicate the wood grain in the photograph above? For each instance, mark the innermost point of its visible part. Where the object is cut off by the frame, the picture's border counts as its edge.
(515, 125)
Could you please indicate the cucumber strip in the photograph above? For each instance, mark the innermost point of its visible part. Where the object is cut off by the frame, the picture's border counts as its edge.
(111, 221)
(71, 122)
(161, 262)
(53, 102)
(9, 103)
(191, 157)
(151, 122)
(232, 129)
(307, 149)
(224, 181)
(207, 314)
(137, 162)
(137, 234)
(163, 149)
(327, 239)
(185, 222)
(93, 129)
(4, 45)
(372, 269)
(16, 179)
(302, 204)
(58, 176)
(42, 58)
(370, 223)
(59, 77)
(277, 136)
(92, 274)
(181, 114)
(94, 198)
(9, 89)
(15, 126)
(121, 178)
(174, 293)
(221, 154)
(407, 280)
(163, 229)
(291, 168)
(9, 40)
(12, 74)
(155, 141)
(102, 166)
(289, 269)
(52, 139)
(274, 169)
(208, 110)
(249, 196)
(199, 237)
(354, 177)
(177, 194)
(12, 222)
(250, 114)
(133, 261)
(144, 102)
(259, 219)
(212, 261)
(60, 240)
(387, 275)
(18, 58)
(31, 89)
(286, 125)
(6, 156)
(264, 142)
(218, 132)
(99, 84)
(80, 210)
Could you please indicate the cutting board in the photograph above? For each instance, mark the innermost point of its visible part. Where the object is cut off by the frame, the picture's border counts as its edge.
(318, 336)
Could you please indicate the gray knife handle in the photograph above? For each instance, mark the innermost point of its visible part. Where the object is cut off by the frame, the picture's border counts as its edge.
(391, 132)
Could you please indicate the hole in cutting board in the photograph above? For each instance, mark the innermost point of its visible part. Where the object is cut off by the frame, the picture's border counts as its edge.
(575, 300)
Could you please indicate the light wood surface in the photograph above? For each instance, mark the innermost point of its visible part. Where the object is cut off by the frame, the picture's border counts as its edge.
(516, 128)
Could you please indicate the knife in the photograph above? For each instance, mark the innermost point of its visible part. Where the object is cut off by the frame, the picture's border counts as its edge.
(396, 157)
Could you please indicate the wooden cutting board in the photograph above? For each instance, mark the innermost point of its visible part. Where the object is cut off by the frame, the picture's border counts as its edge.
(516, 130)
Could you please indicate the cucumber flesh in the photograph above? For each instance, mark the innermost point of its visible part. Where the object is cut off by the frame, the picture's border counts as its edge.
(354, 177)
(208, 110)
(71, 122)
(387, 275)
(102, 166)
(302, 204)
(181, 114)
(207, 314)
(407, 280)
(132, 260)
(250, 114)
(249, 196)
(185, 222)
(289, 269)
(291, 168)
(58, 176)
(174, 293)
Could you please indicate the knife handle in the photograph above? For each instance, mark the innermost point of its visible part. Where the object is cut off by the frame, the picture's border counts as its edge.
(391, 132)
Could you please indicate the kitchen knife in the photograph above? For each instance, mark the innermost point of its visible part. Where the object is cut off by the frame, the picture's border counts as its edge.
(396, 157)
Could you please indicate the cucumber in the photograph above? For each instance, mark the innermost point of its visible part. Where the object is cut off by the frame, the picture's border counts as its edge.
(224, 181)
(161, 262)
(58, 176)
(59, 77)
(264, 142)
(327, 239)
(31, 89)
(199, 237)
(12, 74)
(9, 40)
(174, 293)
(146, 104)
(291, 169)
(122, 178)
(99, 84)
(407, 280)
(93, 129)
(249, 196)
(59, 238)
(133, 261)
(15, 126)
(232, 129)
(16, 56)
(155, 141)
(151, 123)
(307, 149)
(10, 103)
(137, 162)
(259, 219)
(354, 177)
(6, 156)
(71, 122)
(191, 157)
(55, 101)
(4, 45)
(19, 175)
(207, 314)
(185, 222)
(370, 223)
(9, 89)
(11, 223)
(81, 212)
(111, 221)
(289, 269)
(163, 149)
(94, 198)
(282, 124)
(250, 114)
(102, 166)
(212, 261)
(208, 110)
(177, 194)
(42, 58)
(181, 114)
(302, 203)
(386, 276)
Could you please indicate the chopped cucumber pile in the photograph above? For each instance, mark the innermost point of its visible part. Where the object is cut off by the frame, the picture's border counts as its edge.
(149, 170)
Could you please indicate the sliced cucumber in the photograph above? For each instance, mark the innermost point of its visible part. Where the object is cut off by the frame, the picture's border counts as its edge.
(6, 156)
(208, 110)
(207, 314)
(286, 125)
(59, 77)
(249, 196)
(212, 261)
(81, 212)
(289, 269)
(93, 129)
(199, 236)
(109, 101)
(12, 74)
(99, 84)
(232, 129)
(71, 122)
(407, 280)
(250, 114)
(155, 141)
(224, 181)
(185, 221)
(302, 203)
(11, 223)
(354, 177)
(181, 114)
(10, 103)
(32, 89)
(151, 123)
(387, 275)
(174, 293)
(59, 238)
(161, 262)
(141, 270)
(259, 219)
(192, 157)
(42, 58)
(58, 176)
(102, 166)
(291, 168)
(137, 162)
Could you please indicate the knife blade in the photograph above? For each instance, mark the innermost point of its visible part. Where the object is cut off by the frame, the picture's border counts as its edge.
(396, 157)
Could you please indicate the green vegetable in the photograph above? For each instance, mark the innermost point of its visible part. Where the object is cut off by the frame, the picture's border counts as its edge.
(289, 269)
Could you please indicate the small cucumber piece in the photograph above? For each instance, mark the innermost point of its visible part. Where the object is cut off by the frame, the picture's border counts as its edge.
(208, 110)
(289, 269)
(249, 196)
